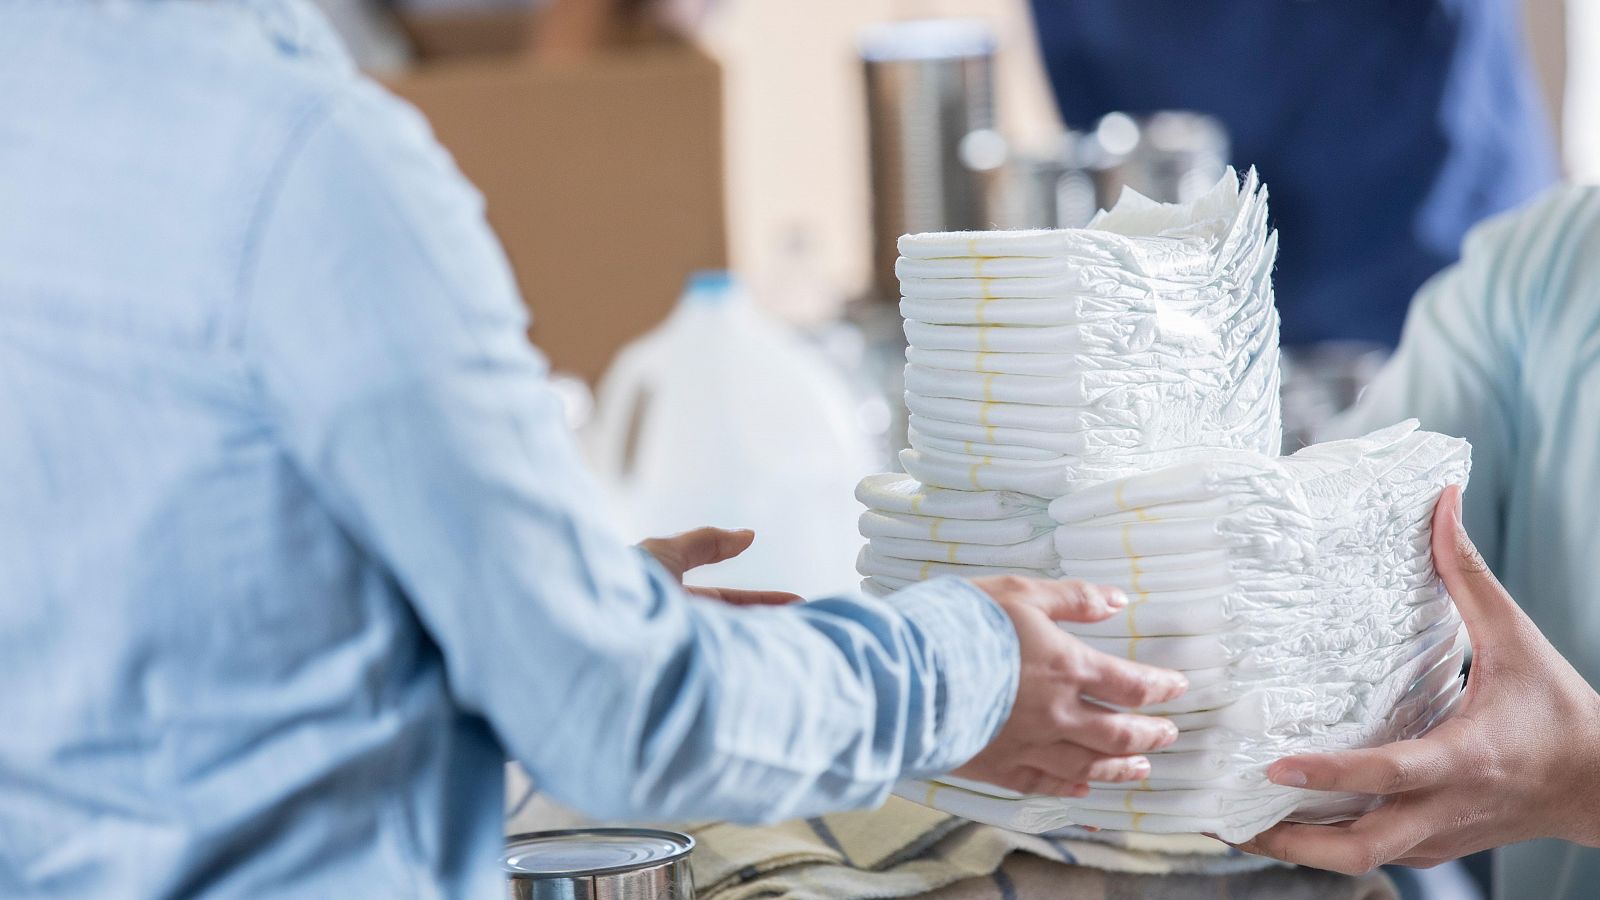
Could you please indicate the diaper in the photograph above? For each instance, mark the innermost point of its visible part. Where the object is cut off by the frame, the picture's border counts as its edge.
(891, 492)
(1102, 404)
(1012, 530)
(1034, 553)
(871, 564)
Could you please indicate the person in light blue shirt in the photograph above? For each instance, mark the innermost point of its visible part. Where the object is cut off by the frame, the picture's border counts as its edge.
(1502, 349)
(295, 551)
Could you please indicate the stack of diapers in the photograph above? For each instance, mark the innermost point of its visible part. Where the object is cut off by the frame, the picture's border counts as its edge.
(1297, 594)
(1043, 361)
(915, 531)
(1102, 404)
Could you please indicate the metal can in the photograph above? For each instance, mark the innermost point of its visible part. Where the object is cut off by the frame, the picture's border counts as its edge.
(599, 864)
(930, 131)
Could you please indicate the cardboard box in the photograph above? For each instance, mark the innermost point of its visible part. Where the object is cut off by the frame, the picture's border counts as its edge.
(603, 178)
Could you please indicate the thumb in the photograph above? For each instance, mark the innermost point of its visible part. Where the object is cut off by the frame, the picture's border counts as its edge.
(700, 547)
(1483, 602)
(1071, 600)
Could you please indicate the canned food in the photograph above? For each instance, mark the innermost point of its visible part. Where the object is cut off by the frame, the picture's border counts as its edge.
(599, 864)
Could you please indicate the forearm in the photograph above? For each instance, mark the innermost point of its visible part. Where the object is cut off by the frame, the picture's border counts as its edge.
(764, 714)
(388, 342)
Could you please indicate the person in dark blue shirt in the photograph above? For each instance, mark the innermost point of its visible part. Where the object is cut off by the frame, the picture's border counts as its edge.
(1385, 128)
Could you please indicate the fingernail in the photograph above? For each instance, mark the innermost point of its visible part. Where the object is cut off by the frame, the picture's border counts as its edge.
(1115, 598)
(1170, 730)
(1287, 777)
(1138, 768)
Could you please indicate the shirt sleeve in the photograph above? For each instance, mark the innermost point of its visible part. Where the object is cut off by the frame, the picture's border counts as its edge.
(1460, 366)
(389, 343)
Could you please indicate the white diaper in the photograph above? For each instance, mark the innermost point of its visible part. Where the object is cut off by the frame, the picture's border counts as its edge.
(872, 564)
(1004, 339)
(921, 441)
(1013, 530)
(891, 492)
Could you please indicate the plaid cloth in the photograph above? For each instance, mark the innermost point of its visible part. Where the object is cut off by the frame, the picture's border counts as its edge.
(906, 850)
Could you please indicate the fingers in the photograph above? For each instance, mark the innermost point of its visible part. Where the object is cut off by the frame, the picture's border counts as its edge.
(1317, 846)
(1063, 600)
(705, 546)
(1070, 600)
(1371, 841)
(700, 547)
(1126, 683)
(1476, 592)
(1119, 769)
(1118, 734)
(1075, 763)
(1390, 769)
(737, 597)
(1030, 780)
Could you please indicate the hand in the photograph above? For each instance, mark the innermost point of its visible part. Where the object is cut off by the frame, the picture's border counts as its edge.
(704, 546)
(1056, 741)
(1520, 760)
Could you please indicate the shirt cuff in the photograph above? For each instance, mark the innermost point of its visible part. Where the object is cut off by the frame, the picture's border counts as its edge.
(970, 642)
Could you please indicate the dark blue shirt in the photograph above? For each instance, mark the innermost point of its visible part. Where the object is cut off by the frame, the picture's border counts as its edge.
(1384, 128)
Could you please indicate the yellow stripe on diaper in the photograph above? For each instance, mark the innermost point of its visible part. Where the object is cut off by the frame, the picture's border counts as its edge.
(933, 528)
(933, 788)
(983, 356)
(950, 551)
(966, 447)
(972, 247)
(983, 338)
(916, 503)
(1127, 542)
(1122, 505)
(988, 389)
(972, 474)
(984, 298)
(988, 432)
(977, 263)
(1133, 582)
(1144, 784)
(1127, 804)
(922, 573)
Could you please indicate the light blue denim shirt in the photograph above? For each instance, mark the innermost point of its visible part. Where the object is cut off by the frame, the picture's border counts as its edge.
(294, 548)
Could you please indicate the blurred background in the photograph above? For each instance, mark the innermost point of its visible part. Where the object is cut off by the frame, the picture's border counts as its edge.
(700, 197)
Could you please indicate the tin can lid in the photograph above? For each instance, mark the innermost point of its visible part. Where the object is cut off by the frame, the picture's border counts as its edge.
(591, 851)
(925, 40)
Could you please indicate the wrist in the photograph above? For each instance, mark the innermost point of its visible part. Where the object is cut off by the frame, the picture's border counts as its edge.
(1582, 785)
(976, 654)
